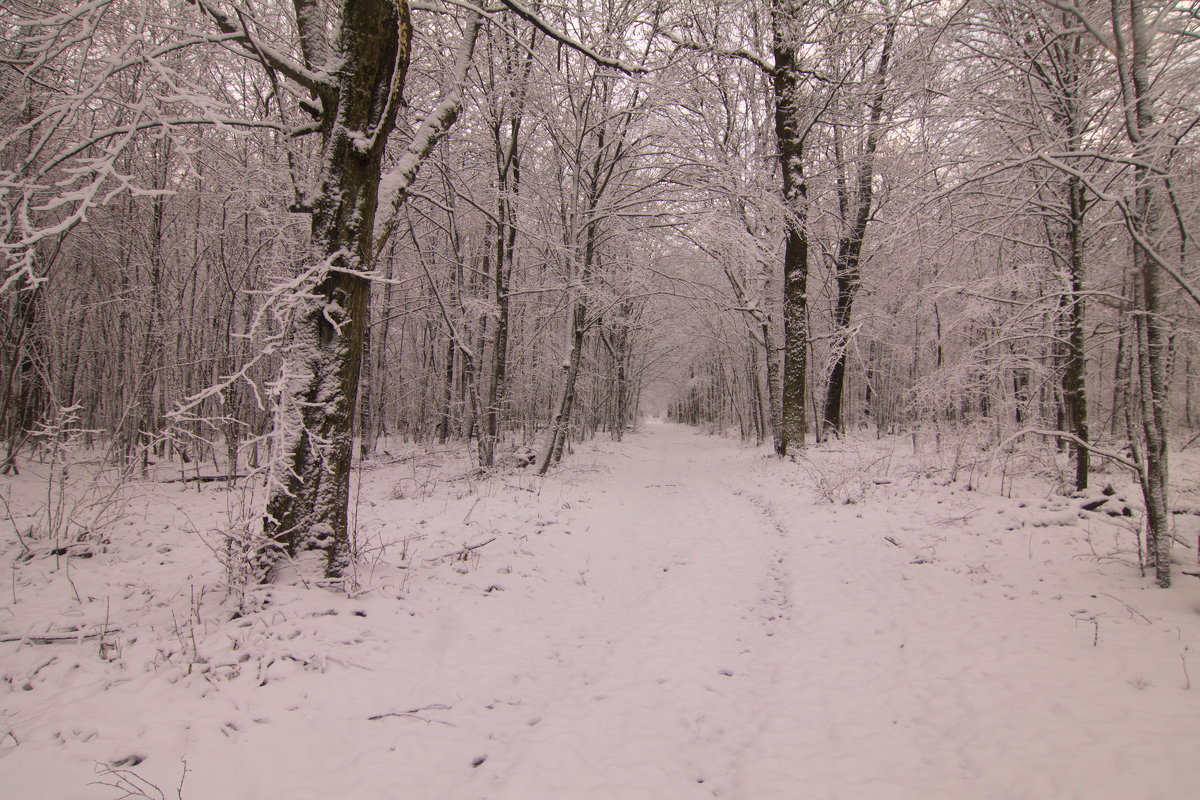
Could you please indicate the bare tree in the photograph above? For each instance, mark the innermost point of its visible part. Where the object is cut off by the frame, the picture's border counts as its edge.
(856, 207)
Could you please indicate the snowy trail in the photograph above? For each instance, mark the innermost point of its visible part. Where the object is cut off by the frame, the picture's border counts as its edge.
(652, 661)
(712, 630)
(673, 617)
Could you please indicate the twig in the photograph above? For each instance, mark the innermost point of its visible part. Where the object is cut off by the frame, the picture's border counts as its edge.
(104, 630)
(462, 554)
(961, 518)
(59, 638)
(1128, 607)
(17, 530)
(414, 713)
(202, 479)
(1095, 620)
(67, 573)
(133, 784)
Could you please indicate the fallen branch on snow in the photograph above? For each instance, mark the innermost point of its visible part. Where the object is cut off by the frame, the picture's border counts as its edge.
(59, 638)
(414, 713)
(201, 479)
(461, 555)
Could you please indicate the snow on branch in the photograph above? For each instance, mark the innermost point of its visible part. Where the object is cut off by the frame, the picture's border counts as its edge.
(319, 82)
(765, 64)
(1059, 161)
(439, 9)
(1114, 457)
(397, 181)
(271, 321)
(562, 38)
(1131, 227)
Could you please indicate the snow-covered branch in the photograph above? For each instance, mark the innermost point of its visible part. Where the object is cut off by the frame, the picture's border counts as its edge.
(396, 182)
(762, 62)
(1114, 457)
(319, 82)
(562, 38)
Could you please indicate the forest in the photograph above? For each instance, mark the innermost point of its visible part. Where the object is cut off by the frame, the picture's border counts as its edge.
(368, 295)
(264, 237)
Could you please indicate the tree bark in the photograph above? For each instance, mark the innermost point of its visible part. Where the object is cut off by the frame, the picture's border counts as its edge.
(310, 479)
(1074, 381)
(1132, 56)
(857, 206)
(787, 80)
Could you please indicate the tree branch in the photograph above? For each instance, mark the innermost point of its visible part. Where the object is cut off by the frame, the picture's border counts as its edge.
(764, 64)
(1073, 438)
(397, 181)
(562, 38)
(318, 82)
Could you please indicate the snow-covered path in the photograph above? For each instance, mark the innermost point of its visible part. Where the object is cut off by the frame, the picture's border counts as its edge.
(673, 617)
(647, 649)
(629, 658)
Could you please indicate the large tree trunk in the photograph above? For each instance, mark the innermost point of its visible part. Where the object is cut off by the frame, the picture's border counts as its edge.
(1062, 77)
(790, 135)
(1074, 381)
(310, 479)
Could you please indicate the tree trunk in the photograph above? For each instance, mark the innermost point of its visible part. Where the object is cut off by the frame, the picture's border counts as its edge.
(556, 442)
(857, 206)
(509, 175)
(310, 478)
(1152, 341)
(1074, 383)
(790, 135)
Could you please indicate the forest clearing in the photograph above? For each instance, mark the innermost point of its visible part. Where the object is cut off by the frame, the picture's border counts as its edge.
(674, 616)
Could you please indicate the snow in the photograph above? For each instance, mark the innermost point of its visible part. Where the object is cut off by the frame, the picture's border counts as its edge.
(675, 616)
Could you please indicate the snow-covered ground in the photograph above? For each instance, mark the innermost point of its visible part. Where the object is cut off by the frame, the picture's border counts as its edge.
(675, 616)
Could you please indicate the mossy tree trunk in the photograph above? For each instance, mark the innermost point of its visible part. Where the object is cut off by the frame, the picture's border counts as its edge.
(355, 76)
